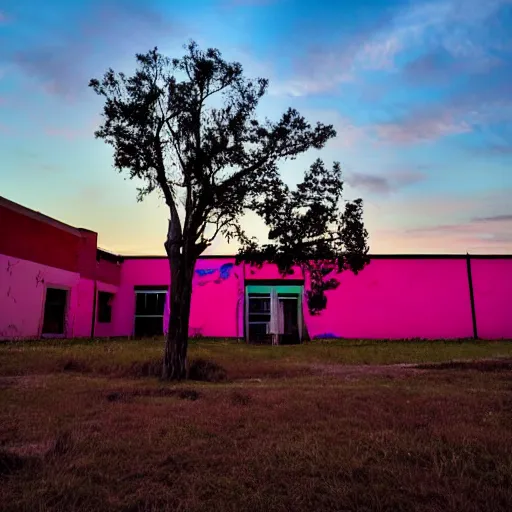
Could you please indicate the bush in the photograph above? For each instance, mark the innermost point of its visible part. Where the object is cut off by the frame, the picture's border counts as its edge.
(206, 371)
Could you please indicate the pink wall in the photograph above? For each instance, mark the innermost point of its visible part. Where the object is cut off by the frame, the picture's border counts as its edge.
(390, 299)
(22, 294)
(216, 309)
(402, 298)
(270, 271)
(492, 286)
(217, 299)
(136, 272)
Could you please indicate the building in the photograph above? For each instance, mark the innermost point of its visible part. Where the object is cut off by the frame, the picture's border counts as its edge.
(55, 282)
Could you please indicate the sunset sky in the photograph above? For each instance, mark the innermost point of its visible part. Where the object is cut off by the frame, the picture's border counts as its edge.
(420, 93)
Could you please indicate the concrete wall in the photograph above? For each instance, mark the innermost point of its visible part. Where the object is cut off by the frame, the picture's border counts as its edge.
(216, 309)
(492, 285)
(217, 299)
(22, 297)
(22, 293)
(398, 298)
(389, 299)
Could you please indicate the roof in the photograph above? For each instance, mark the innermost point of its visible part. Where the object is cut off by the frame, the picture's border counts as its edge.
(28, 212)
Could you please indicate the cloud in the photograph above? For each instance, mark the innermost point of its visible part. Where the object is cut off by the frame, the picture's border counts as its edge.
(480, 231)
(449, 37)
(441, 222)
(422, 125)
(104, 33)
(494, 218)
(384, 184)
(481, 107)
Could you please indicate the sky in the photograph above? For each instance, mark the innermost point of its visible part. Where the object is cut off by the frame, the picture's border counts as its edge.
(420, 93)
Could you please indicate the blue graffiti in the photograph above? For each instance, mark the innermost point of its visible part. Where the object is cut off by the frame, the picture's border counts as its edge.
(326, 336)
(205, 271)
(224, 271)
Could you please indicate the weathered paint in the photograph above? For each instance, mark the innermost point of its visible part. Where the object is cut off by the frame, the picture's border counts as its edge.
(394, 297)
(22, 293)
(492, 285)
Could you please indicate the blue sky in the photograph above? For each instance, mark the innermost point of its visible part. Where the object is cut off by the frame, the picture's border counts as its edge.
(420, 93)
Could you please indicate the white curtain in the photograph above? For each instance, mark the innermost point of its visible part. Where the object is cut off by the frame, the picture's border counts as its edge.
(276, 314)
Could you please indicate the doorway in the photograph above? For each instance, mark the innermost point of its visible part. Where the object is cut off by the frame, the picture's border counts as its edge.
(55, 305)
(273, 314)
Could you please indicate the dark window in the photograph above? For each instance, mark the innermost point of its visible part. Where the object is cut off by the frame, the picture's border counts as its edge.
(150, 303)
(149, 311)
(105, 307)
(55, 311)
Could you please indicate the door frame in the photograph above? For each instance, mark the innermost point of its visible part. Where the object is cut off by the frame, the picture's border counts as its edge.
(283, 286)
(66, 333)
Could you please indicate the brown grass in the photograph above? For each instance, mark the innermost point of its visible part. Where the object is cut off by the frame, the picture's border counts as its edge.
(291, 436)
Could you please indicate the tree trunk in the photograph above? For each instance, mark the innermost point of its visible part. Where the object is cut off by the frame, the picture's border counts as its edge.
(175, 356)
(182, 260)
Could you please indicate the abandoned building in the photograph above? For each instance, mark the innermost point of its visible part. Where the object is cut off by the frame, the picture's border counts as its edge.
(55, 282)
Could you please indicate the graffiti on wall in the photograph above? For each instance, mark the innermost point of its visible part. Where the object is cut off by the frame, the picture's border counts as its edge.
(215, 275)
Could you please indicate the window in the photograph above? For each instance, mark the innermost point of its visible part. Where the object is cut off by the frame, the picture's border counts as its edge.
(55, 311)
(149, 311)
(105, 307)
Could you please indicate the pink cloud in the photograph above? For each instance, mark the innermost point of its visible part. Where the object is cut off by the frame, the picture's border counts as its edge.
(441, 223)
(384, 183)
(422, 125)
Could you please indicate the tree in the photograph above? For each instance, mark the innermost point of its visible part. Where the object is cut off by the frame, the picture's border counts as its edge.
(187, 128)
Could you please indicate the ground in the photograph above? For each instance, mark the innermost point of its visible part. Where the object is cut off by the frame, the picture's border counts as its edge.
(328, 425)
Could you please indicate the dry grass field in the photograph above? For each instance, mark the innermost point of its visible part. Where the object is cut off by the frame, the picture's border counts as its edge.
(324, 426)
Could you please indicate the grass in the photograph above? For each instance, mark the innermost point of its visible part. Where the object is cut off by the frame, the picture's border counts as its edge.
(293, 428)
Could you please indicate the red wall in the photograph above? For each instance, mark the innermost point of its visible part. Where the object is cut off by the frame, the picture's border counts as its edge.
(492, 285)
(27, 238)
(108, 272)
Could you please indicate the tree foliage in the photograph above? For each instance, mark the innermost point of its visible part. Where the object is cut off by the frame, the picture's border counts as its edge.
(188, 129)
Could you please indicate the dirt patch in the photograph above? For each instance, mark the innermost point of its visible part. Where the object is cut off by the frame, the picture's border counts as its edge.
(355, 372)
(482, 365)
(128, 396)
(29, 450)
(23, 381)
